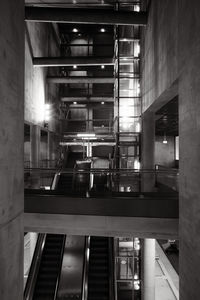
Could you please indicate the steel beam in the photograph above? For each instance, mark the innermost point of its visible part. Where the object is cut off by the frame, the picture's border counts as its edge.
(87, 99)
(71, 61)
(79, 79)
(84, 16)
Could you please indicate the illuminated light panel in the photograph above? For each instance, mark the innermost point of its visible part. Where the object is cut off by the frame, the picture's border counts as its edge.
(102, 30)
(86, 135)
(75, 30)
(89, 138)
(102, 67)
(136, 49)
(75, 102)
(47, 112)
(102, 102)
(74, 67)
(138, 127)
(136, 165)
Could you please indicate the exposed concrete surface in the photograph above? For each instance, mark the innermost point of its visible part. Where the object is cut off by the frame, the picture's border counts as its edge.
(39, 41)
(11, 150)
(165, 153)
(159, 50)
(171, 59)
(102, 225)
(11, 259)
(189, 127)
(167, 280)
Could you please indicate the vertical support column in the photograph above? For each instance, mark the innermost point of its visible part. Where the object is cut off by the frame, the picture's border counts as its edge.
(11, 149)
(35, 146)
(189, 165)
(89, 149)
(35, 155)
(50, 150)
(148, 269)
(90, 118)
(148, 145)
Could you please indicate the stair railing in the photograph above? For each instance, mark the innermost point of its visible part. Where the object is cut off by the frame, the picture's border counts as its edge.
(60, 267)
(111, 270)
(86, 269)
(35, 264)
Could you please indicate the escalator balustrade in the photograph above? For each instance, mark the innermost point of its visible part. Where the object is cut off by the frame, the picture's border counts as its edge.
(49, 269)
(98, 273)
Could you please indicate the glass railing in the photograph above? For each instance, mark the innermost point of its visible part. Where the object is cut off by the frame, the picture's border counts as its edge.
(96, 182)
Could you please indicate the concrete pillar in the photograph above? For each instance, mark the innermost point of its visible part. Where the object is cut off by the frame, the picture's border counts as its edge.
(11, 149)
(35, 146)
(148, 145)
(35, 155)
(189, 136)
(50, 149)
(90, 117)
(148, 269)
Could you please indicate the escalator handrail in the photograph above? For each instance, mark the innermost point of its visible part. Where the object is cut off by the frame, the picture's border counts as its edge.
(35, 264)
(60, 268)
(86, 269)
(111, 270)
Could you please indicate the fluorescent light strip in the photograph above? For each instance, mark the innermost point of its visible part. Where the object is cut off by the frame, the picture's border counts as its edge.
(86, 135)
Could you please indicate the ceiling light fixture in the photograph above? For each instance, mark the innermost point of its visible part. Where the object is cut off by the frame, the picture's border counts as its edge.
(164, 139)
(75, 102)
(74, 67)
(102, 102)
(75, 30)
(102, 30)
(102, 67)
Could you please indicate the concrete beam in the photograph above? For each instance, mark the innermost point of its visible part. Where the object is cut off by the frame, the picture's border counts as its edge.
(101, 225)
(83, 16)
(71, 61)
(79, 79)
(87, 99)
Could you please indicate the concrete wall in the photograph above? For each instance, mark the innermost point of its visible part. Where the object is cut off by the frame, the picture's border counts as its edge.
(165, 153)
(171, 54)
(40, 41)
(189, 128)
(159, 50)
(11, 149)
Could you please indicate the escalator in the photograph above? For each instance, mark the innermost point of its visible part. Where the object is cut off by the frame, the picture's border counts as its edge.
(100, 269)
(49, 270)
(72, 158)
(65, 183)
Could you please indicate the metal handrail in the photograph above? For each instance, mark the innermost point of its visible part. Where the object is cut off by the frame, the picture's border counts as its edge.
(35, 264)
(111, 270)
(60, 267)
(85, 269)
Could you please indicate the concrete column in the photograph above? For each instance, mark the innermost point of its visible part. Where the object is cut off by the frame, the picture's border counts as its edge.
(189, 135)
(50, 149)
(11, 149)
(35, 155)
(148, 269)
(148, 145)
(90, 117)
(35, 146)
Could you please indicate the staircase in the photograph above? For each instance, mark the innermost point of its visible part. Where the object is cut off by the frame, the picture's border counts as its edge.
(98, 274)
(49, 269)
